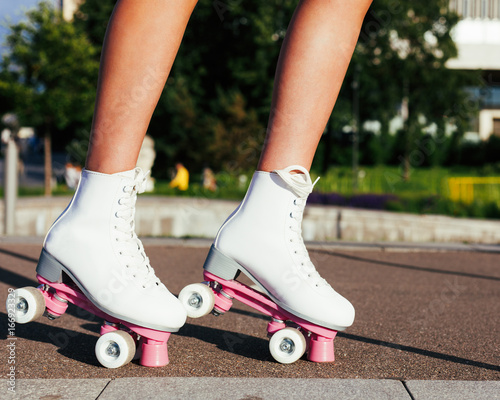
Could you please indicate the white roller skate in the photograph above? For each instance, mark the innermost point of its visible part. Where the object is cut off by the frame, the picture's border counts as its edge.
(93, 258)
(262, 239)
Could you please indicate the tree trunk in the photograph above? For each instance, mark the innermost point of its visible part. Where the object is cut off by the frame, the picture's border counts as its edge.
(327, 148)
(356, 130)
(47, 144)
(405, 114)
(406, 167)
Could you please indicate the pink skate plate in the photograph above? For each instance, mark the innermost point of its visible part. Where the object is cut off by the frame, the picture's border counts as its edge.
(287, 343)
(116, 346)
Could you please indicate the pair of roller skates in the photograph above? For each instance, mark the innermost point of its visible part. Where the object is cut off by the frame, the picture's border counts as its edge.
(115, 281)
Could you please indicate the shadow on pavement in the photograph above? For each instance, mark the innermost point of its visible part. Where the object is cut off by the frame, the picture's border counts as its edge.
(232, 342)
(406, 266)
(18, 255)
(15, 280)
(415, 350)
(71, 344)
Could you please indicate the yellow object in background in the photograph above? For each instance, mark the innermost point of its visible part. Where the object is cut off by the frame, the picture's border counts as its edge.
(181, 180)
(468, 189)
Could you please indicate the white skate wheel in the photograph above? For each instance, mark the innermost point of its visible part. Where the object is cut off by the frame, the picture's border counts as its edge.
(29, 304)
(197, 299)
(115, 349)
(287, 345)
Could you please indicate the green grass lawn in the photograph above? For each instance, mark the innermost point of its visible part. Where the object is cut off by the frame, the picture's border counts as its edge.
(385, 180)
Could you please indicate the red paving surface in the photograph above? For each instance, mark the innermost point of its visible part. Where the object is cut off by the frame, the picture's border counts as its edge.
(419, 315)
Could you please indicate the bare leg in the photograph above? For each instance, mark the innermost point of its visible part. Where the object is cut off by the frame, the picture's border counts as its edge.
(140, 47)
(312, 65)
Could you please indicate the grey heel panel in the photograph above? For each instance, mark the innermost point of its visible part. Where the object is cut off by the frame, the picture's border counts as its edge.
(49, 268)
(221, 265)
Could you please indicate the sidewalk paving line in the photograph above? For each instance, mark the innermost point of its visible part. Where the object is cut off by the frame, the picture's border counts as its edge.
(81, 389)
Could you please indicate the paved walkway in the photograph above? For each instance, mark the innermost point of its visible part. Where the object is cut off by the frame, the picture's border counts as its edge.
(252, 388)
(426, 327)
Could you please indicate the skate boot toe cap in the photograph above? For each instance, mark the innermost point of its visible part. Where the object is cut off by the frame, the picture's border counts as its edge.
(342, 315)
(159, 310)
(338, 315)
(171, 314)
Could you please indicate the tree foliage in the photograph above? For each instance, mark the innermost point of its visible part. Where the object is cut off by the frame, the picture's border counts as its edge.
(92, 18)
(402, 52)
(215, 105)
(49, 74)
(232, 47)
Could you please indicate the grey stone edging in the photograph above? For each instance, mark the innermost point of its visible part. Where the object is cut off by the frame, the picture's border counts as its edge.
(206, 388)
(199, 217)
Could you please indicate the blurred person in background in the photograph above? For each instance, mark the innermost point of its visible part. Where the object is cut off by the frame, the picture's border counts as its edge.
(181, 179)
(209, 181)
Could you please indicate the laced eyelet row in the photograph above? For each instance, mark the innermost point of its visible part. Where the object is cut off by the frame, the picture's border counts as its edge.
(131, 250)
(297, 231)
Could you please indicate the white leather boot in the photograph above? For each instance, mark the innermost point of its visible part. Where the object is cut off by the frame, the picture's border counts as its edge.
(94, 243)
(262, 238)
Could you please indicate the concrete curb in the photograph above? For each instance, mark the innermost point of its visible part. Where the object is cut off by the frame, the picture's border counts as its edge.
(200, 217)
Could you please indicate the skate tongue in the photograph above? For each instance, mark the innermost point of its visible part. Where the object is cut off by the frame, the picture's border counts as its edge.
(128, 174)
(300, 184)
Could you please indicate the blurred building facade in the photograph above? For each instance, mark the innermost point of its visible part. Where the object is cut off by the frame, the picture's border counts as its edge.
(477, 37)
(68, 7)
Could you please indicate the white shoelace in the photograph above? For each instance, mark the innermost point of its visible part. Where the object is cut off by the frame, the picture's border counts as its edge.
(131, 248)
(301, 185)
